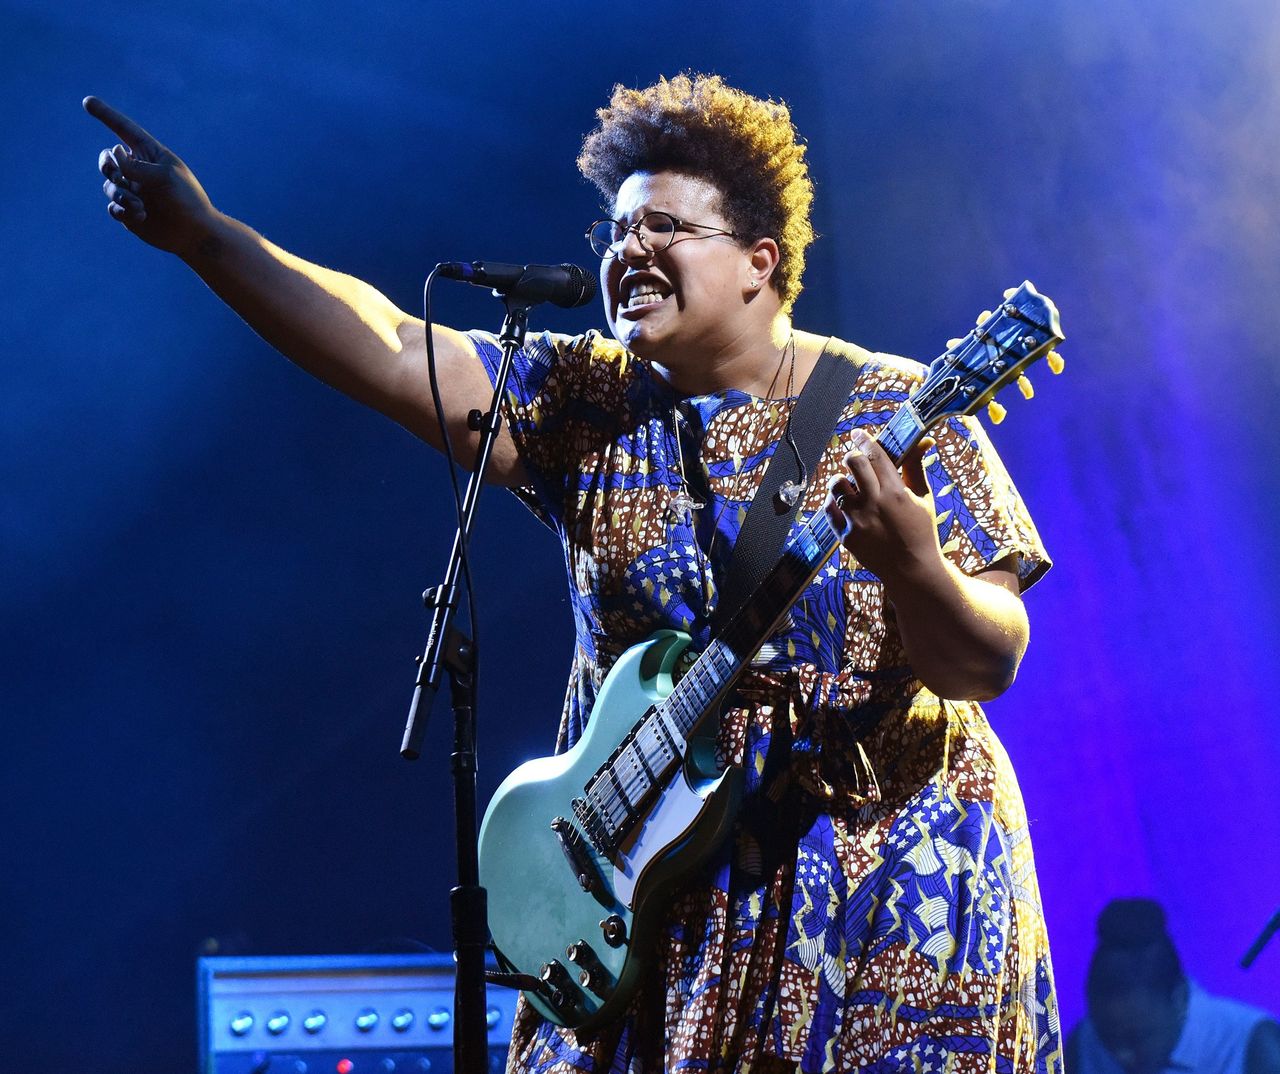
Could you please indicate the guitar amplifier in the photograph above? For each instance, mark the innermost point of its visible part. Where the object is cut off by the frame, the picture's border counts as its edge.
(336, 1014)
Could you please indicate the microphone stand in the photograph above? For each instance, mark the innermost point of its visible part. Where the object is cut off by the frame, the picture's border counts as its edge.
(449, 650)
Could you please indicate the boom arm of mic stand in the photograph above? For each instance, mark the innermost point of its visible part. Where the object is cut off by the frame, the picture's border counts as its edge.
(443, 599)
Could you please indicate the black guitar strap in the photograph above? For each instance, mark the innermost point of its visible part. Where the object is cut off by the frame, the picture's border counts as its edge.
(770, 516)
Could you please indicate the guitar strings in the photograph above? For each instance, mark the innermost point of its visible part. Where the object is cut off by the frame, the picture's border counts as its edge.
(618, 792)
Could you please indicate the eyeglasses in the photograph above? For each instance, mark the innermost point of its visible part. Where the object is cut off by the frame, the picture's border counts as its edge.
(656, 231)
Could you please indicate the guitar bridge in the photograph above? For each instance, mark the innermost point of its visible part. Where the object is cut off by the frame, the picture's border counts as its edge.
(594, 828)
(579, 857)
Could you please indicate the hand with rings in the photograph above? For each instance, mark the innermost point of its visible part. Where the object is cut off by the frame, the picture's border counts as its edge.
(884, 518)
(149, 189)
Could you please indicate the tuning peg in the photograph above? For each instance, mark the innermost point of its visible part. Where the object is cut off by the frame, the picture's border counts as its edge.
(954, 342)
(1024, 386)
(1055, 363)
(996, 412)
(1010, 292)
(983, 316)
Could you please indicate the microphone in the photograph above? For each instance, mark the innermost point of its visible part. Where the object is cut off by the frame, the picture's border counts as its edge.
(566, 286)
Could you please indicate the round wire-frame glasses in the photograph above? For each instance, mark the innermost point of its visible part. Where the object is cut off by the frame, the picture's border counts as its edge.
(656, 231)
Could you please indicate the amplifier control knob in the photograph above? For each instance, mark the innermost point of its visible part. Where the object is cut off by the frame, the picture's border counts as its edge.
(241, 1024)
(402, 1019)
(439, 1018)
(366, 1020)
(278, 1023)
(315, 1021)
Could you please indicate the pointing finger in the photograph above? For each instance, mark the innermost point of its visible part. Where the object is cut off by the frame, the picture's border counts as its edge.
(134, 136)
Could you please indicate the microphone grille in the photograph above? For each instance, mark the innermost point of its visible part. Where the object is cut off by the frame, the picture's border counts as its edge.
(582, 287)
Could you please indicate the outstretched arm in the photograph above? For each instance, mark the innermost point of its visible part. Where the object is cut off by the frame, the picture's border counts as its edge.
(964, 635)
(338, 328)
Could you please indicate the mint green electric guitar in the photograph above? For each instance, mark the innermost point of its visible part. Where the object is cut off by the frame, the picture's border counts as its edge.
(580, 851)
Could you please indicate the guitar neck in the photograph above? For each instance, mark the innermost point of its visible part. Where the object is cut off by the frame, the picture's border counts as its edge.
(719, 666)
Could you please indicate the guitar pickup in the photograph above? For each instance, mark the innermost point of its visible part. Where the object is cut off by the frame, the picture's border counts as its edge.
(579, 857)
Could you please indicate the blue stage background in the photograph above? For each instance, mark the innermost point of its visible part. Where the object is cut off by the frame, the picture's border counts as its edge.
(211, 563)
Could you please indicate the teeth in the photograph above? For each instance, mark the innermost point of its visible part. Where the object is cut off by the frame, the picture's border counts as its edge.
(648, 294)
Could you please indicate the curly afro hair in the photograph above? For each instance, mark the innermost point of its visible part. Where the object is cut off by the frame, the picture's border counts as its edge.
(747, 147)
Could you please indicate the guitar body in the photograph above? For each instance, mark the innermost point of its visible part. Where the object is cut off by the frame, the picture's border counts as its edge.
(538, 908)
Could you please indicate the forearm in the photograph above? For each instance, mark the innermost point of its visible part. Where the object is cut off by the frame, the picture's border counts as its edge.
(964, 636)
(340, 329)
(336, 327)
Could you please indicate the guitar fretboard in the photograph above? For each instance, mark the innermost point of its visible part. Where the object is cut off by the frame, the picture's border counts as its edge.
(620, 790)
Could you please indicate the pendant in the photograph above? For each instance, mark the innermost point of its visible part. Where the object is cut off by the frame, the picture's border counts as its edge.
(682, 507)
(789, 493)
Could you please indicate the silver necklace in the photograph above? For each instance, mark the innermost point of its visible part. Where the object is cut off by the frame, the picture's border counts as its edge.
(789, 491)
(682, 504)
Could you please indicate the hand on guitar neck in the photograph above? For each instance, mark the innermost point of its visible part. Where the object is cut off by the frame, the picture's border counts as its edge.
(964, 636)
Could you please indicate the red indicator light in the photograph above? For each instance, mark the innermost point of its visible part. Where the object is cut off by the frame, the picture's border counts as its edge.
(344, 1066)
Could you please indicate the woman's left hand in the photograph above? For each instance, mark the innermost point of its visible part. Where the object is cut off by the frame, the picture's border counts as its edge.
(883, 517)
(964, 636)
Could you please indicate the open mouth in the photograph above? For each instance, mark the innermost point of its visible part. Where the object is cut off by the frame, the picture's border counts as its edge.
(642, 294)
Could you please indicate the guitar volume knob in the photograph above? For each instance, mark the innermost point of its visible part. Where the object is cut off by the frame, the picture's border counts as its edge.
(559, 988)
(555, 974)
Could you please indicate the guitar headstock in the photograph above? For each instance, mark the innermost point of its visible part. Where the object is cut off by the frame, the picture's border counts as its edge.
(1021, 330)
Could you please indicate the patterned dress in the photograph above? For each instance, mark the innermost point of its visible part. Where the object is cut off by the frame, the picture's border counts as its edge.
(877, 908)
